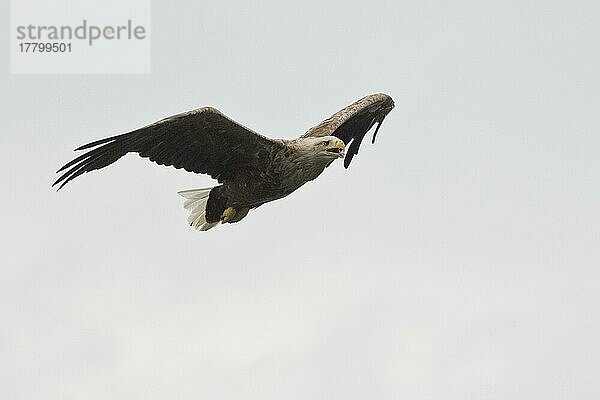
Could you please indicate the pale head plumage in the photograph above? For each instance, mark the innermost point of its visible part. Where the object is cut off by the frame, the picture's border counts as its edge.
(320, 149)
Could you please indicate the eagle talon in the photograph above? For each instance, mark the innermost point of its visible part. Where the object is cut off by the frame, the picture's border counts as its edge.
(228, 214)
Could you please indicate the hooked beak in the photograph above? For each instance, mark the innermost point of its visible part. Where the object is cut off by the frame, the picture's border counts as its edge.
(337, 148)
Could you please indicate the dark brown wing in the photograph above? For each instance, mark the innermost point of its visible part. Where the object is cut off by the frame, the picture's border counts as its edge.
(352, 123)
(200, 141)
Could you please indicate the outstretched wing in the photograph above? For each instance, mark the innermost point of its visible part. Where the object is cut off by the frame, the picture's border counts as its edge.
(352, 123)
(200, 141)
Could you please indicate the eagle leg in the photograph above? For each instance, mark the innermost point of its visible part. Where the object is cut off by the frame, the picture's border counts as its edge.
(228, 214)
(239, 214)
(232, 215)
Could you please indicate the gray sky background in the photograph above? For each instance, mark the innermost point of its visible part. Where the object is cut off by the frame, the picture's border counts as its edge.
(457, 258)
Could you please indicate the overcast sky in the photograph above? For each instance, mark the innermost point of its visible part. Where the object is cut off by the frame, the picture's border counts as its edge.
(457, 258)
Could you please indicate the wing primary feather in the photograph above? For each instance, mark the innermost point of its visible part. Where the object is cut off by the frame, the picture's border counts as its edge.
(80, 161)
(93, 160)
(376, 130)
(70, 175)
(75, 161)
(101, 141)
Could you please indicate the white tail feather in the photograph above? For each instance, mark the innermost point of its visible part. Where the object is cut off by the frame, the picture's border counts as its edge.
(195, 202)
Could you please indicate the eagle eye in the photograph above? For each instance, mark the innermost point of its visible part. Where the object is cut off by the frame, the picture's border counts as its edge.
(327, 143)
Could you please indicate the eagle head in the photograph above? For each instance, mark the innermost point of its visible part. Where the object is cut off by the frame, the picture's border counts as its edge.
(318, 151)
(328, 147)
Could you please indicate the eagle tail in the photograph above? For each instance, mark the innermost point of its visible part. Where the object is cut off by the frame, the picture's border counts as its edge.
(195, 203)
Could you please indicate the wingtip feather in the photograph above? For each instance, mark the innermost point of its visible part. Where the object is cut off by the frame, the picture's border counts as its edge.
(376, 130)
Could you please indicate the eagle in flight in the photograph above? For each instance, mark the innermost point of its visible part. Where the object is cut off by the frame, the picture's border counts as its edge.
(251, 169)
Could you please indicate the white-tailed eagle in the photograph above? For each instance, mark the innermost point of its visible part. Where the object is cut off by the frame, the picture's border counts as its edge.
(251, 169)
